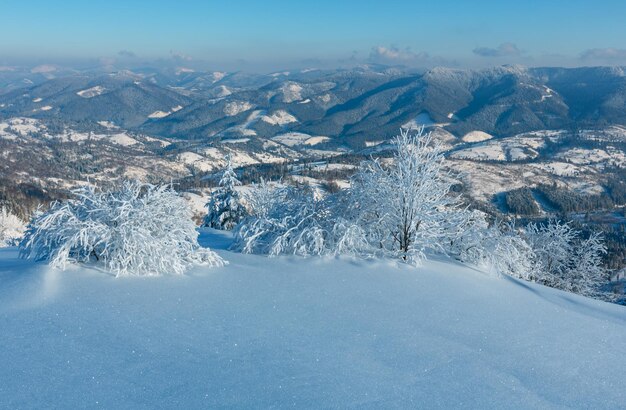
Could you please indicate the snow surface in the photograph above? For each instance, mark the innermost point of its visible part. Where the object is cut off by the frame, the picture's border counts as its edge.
(476, 136)
(293, 139)
(279, 117)
(236, 107)
(91, 92)
(292, 92)
(159, 114)
(303, 333)
(123, 139)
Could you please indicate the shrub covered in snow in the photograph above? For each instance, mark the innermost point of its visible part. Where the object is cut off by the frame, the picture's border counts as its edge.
(140, 229)
(11, 228)
(553, 254)
(291, 220)
(565, 260)
(497, 247)
(224, 208)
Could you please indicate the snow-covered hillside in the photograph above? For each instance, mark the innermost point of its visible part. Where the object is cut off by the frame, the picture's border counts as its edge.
(291, 332)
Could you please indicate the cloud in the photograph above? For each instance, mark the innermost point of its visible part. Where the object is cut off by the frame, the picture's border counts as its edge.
(126, 53)
(603, 54)
(503, 50)
(394, 55)
(177, 55)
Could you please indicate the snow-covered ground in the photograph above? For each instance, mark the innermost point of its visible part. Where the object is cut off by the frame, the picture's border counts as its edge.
(290, 332)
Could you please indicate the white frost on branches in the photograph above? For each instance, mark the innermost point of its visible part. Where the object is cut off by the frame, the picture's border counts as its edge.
(291, 220)
(553, 254)
(225, 210)
(403, 210)
(140, 229)
(565, 260)
(407, 208)
(11, 228)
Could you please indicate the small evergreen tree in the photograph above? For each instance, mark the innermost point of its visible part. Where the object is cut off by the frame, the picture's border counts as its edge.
(225, 210)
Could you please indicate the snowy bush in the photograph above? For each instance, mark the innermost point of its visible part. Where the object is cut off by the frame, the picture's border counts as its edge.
(140, 229)
(497, 247)
(285, 220)
(11, 228)
(224, 208)
(553, 254)
(291, 220)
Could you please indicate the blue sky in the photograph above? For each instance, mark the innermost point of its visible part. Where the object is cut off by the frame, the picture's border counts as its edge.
(268, 34)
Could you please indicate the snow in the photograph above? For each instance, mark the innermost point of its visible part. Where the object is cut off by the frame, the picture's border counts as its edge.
(235, 141)
(304, 333)
(159, 114)
(292, 139)
(21, 126)
(422, 120)
(582, 156)
(490, 152)
(218, 75)
(236, 107)
(123, 139)
(279, 117)
(516, 148)
(223, 91)
(316, 140)
(162, 114)
(91, 92)
(197, 161)
(476, 136)
(107, 124)
(292, 92)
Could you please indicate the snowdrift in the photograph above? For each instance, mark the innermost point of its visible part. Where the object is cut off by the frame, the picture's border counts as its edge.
(304, 333)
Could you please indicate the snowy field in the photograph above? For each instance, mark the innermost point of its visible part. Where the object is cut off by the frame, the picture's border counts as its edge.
(303, 333)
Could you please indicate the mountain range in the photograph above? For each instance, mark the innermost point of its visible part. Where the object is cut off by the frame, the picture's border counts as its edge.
(349, 107)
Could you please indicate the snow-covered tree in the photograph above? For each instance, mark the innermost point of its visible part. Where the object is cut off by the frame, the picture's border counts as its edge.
(588, 274)
(565, 260)
(402, 210)
(407, 207)
(140, 229)
(11, 228)
(225, 209)
(262, 198)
